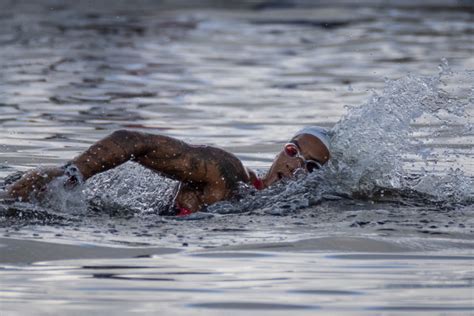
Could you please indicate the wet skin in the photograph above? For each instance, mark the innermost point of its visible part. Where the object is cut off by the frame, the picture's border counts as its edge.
(207, 174)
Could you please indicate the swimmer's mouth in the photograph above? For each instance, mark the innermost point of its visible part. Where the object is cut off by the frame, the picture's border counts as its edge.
(280, 175)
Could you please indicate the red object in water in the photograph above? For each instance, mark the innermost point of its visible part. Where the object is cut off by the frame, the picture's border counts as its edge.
(184, 212)
(258, 184)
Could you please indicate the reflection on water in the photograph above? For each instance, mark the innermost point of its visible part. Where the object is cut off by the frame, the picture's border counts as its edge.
(244, 77)
(245, 282)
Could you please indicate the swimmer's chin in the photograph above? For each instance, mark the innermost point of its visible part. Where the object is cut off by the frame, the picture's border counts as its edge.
(274, 177)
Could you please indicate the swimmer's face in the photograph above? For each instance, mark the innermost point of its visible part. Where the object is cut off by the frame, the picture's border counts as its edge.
(284, 165)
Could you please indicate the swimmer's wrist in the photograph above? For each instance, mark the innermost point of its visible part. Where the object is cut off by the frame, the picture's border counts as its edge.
(74, 175)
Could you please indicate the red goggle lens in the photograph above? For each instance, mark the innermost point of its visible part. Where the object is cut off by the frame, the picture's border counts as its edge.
(291, 150)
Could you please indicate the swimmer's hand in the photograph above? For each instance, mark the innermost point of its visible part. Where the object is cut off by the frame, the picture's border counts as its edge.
(33, 183)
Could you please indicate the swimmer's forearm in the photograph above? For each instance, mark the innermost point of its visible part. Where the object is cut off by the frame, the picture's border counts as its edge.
(111, 151)
(122, 146)
(33, 183)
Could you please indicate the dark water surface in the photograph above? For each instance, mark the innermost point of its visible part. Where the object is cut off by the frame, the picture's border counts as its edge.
(386, 228)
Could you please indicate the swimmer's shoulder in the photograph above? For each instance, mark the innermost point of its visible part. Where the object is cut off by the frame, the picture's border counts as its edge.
(228, 165)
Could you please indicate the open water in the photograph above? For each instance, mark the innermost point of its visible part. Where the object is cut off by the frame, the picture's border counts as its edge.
(385, 228)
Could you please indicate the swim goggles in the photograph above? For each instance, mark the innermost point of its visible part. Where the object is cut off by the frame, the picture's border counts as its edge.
(292, 150)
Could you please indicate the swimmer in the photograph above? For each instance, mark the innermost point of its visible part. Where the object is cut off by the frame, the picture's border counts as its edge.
(206, 174)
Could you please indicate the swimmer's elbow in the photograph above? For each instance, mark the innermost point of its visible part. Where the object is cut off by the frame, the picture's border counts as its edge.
(124, 134)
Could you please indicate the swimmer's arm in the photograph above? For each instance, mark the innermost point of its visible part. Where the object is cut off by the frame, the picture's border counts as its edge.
(166, 155)
(198, 168)
(163, 154)
(33, 183)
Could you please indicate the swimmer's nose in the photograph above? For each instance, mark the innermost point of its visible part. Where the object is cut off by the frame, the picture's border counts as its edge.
(294, 164)
(289, 171)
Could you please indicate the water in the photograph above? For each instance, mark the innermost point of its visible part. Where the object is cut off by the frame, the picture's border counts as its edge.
(246, 282)
(386, 228)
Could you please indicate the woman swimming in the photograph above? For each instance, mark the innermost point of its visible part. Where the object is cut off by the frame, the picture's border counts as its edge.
(206, 174)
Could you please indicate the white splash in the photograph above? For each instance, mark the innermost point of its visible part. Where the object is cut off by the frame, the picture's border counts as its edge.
(372, 142)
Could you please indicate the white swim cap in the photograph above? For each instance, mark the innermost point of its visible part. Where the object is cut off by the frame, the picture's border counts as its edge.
(319, 132)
